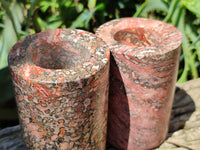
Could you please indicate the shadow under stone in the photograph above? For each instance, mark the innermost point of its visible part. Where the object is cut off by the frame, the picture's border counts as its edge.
(183, 107)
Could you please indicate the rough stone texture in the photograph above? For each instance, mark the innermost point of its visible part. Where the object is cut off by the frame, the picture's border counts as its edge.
(143, 72)
(11, 139)
(184, 125)
(61, 89)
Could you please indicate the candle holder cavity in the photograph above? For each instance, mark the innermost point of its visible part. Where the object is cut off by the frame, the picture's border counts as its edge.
(143, 71)
(61, 87)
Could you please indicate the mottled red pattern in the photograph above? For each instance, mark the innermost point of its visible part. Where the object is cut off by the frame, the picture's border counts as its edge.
(61, 88)
(143, 72)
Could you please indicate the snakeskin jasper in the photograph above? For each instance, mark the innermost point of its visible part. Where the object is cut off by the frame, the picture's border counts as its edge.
(61, 88)
(144, 63)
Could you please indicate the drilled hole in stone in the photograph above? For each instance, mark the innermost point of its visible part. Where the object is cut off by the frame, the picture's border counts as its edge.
(58, 55)
(137, 37)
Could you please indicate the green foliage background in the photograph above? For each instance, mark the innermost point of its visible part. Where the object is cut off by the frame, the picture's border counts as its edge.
(19, 18)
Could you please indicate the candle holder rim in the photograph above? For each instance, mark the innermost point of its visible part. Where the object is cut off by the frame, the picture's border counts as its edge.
(114, 45)
(57, 71)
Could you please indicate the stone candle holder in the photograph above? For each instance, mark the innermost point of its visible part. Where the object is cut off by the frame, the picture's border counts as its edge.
(61, 86)
(143, 72)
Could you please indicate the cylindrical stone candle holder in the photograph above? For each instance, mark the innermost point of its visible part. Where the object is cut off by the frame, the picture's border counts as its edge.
(61, 88)
(144, 63)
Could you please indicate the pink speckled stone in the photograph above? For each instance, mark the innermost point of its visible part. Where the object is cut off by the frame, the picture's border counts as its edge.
(61, 89)
(143, 72)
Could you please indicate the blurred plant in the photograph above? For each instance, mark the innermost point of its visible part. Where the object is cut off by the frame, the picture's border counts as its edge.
(11, 18)
(10, 24)
(185, 15)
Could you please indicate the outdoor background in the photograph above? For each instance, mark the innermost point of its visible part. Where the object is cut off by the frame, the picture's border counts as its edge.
(19, 18)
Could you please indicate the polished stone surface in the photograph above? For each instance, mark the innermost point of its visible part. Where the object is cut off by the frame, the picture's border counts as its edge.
(143, 72)
(183, 131)
(61, 88)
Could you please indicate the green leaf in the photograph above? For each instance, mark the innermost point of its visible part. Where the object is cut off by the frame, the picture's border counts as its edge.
(54, 24)
(29, 14)
(7, 39)
(172, 8)
(37, 21)
(151, 5)
(100, 6)
(68, 12)
(45, 5)
(121, 5)
(14, 11)
(42, 24)
(83, 18)
(13, 19)
(195, 41)
(193, 37)
(193, 6)
(91, 4)
(179, 19)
